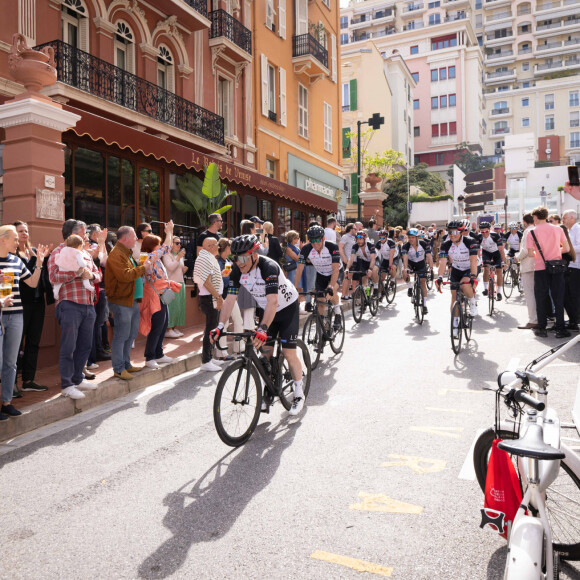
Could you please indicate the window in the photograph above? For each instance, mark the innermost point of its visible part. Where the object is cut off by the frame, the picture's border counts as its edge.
(439, 158)
(548, 102)
(443, 129)
(434, 76)
(525, 66)
(575, 139)
(344, 39)
(574, 98)
(453, 128)
(500, 106)
(302, 111)
(346, 150)
(327, 127)
(225, 98)
(271, 168)
(271, 93)
(479, 21)
(415, 49)
(503, 88)
(344, 21)
(435, 4)
(345, 97)
(452, 100)
(415, 77)
(415, 104)
(434, 19)
(575, 119)
(443, 42)
(526, 122)
(416, 131)
(124, 48)
(549, 122)
(442, 74)
(443, 101)
(451, 72)
(525, 102)
(434, 130)
(434, 102)
(165, 74)
(270, 15)
(526, 85)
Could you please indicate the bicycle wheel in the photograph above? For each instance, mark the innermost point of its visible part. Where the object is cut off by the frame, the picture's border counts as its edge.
(337, 339)
(430, 278)
(391, 289)
(285, 376)
(312, 338)
(491, 295)
(456, 330)
(382, 291)
(374, 302)
(562, 497)
(519, 281)
(467, 320)
(508, 282)
(418, 302)
(236, 414)
(358, 304)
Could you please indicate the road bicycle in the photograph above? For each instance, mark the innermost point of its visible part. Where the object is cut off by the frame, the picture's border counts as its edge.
(238, 396)
(430, 278)
(545, 528)
(491, 290)
(512, 278)
(319, 329)
(461, 320)
(364, 297)
(417, 298)
(387, 288)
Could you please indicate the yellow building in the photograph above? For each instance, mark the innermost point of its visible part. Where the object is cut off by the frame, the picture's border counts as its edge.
(296, 104)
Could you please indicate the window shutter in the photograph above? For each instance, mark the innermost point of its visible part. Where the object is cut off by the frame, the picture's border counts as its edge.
(345, 143)
(264, 67)
(301, 17)
(282, 75)
(131, 58)
(353, 188)
(282, 18)
(334, 63)
(269, 13)
(84, 34)
(353, 104)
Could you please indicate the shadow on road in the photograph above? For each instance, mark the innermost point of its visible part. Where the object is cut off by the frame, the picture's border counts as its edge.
(207, 511)
(471, 364)
(184, 390)
(323, 379)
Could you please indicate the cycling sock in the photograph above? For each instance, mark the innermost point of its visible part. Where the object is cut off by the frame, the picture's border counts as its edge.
(486, 285)
(298, 389)
(409, 284)
(498, 289)
(375, 285)
(472, 301)
(336, 309)
(424, 301)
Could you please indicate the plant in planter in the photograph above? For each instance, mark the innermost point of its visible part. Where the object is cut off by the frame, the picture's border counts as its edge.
(384, 164)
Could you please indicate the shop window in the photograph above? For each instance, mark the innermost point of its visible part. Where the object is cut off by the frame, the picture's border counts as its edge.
(284, 221)
(121, 193)
(89, 186)
(299, 222)
(250, 206)
(149, 193)
(68, 189)
(265, 210)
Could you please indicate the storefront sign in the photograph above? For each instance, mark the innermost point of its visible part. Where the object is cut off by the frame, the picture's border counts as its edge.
(49, 204)
(315, 187)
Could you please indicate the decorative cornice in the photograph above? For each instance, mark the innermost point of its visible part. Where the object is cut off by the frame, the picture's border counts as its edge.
(148, 50)
(184, 70)
(104, 25)
(216, 51)
(239, 69)
(4, 46)
(169, 26)
(133, 6)
(33, 111)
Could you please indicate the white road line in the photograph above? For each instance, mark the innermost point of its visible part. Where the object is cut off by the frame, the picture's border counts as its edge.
(467, 470)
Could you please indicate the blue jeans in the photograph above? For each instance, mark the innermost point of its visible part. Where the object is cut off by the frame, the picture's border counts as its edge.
(125, 332)
(10, 337)
(154, 345)
(77, 322)
(102, 313)
(310, 272)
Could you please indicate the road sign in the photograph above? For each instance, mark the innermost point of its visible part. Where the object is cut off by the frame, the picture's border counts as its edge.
(472, 208)
(478, 187)
(483, 175)
(479, 198)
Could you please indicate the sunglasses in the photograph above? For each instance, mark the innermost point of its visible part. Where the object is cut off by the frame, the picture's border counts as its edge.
(315, 240)
(360, 237)
(148, 231)
(453, 232)
(177, 243)
(243, 259)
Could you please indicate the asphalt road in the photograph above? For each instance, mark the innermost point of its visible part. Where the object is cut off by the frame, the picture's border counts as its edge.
(144, 488)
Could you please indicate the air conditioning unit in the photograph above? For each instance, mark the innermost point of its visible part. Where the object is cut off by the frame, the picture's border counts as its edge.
(498, 151)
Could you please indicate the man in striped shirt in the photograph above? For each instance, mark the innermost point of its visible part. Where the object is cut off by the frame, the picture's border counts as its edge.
(75, 312)
(13, 270)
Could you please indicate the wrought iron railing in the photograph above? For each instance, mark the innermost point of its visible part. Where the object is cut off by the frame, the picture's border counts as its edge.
(199, 5)
(224, 24)
(272, 116)
(102, 79)
(304, 44)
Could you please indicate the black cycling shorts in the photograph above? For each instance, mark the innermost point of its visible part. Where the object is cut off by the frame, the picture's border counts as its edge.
(359, 269)
(321, 282)
(419, 267)
(512, 252)
(491, 259)
(285, 324)
(385, 264)
(457, 276)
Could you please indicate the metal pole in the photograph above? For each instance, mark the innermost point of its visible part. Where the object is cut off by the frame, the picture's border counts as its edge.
(408, 199)
(358, 124)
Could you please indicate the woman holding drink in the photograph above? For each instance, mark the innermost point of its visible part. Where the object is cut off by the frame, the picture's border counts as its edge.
(175, 266)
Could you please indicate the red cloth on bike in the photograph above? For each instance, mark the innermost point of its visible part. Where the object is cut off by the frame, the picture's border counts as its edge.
(502, 487)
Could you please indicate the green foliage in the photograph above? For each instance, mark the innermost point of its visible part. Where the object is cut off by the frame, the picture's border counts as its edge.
(430, 199)
(384, 164)
(203, 198)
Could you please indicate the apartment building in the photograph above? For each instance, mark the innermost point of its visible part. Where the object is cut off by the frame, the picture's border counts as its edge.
(297, 104)
(532, 69)
(438, 43)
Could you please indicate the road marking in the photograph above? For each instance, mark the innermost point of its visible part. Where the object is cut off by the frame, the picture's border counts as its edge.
(468, 470)
(445, 391)
(414, 463)
(378, 502)
(358, 565)
(452, 432)
(463, 411)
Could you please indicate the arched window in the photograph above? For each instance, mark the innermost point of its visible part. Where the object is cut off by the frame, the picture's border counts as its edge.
(75, 24)
(124, 48)
(165, 69)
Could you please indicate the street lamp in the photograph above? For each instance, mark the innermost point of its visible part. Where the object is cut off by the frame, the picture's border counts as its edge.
(375, 122)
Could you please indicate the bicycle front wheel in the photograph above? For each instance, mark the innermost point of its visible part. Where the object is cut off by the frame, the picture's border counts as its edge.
(337, 339)
(562, 497)
(312, 338)
(285, 379)
(358, 304)
(467, 321)
(374, 302)
(391, 289)
(418, 301)
(456, 324)
(430, 278)
(382, 289)
(491, 296)
(237, 403)
(508, 282)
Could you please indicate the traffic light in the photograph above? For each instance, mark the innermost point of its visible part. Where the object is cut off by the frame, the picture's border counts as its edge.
(376, 121)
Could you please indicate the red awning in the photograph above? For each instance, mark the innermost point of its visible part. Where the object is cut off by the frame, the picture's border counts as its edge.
(113, 133)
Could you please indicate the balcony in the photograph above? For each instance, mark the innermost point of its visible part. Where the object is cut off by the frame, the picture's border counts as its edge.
(503, 76)
(191, 13)
(495, 40)
(229, 38)
(497, 3)
(455, 17)
(548, 46)
(413, 10)
(456, 3)
(361, 21)
(309, 57)
(101, 79)
(500, 131)
(500, 111)
(507, 54)
(501, 16)
(386, 32)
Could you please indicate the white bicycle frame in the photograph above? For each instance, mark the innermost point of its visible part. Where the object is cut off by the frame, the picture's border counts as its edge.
(530, 538)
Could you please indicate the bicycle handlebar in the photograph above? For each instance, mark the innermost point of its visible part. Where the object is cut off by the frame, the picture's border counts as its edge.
(522, 397)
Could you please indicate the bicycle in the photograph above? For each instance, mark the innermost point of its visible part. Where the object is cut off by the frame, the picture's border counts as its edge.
(430, 278)
(387, 288)
(512, 278)
(417, 298)
(551, 476)
(363, 297)
(460, 312)
(491, 290)
(238, 397)
(319, 329)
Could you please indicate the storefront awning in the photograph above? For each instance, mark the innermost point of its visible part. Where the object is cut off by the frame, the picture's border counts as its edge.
(113, 133)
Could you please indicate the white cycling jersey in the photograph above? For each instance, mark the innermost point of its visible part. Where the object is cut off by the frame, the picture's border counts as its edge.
(322, 261)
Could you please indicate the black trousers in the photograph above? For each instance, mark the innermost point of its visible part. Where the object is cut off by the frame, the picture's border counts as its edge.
(544, 285)
(33, 316)
(572, 295)
(212, 317)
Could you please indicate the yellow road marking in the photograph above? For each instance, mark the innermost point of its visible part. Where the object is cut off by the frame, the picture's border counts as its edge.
(378, 502)
(414, 463)
(463, 411)
(451, 432)
(445, 391)
(358, 565)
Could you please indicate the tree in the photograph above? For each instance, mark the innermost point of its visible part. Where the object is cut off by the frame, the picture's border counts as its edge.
(395, 206)
(467, 161)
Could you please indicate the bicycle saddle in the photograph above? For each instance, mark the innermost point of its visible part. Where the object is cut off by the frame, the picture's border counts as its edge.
(532, 445)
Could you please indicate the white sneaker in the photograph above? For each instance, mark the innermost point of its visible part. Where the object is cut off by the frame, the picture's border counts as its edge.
(133, 345)
(209, 366)
(218, 362)
(164, 359)
(297, 405)
(152, 364)
(178, 332)
(171, 334)
(473, 310)
(93, 366)
(87, 386)
(73, 393)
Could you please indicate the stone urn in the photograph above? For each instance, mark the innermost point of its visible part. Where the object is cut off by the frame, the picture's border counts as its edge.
(372, 199)
(373, 180)
(32, 68)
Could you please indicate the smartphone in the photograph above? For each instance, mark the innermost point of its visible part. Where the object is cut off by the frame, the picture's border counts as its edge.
(259, 231)
(573, 175)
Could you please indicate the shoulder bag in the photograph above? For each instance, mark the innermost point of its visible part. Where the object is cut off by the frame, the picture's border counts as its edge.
(166, 297)
(552, 266)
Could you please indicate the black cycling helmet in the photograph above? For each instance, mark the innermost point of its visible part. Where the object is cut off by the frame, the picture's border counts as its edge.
(484, 226)
(315, 232)
(383, 233)
(455, 225)
(246, 244)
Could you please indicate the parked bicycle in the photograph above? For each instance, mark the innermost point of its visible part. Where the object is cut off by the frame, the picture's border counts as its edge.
(322, 327)
(238, 397)
(512, 278)
(364, 297)
(461, 320)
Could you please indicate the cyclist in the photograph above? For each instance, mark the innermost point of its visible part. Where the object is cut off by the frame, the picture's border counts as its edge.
(363, 256)
(265, 281)
(325, 257)
(416, 256)
(462, 250)
(513, 239)
(389, 253)
(345, 247)
(493, 255)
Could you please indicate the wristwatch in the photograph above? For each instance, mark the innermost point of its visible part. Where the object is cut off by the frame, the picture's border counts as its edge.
(264, 327)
